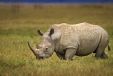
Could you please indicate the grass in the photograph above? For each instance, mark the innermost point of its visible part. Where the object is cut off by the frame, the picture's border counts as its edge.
(19, 24)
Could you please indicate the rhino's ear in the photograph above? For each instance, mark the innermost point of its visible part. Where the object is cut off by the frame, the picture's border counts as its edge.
(39, 32)
(56, 35)
(51, 31)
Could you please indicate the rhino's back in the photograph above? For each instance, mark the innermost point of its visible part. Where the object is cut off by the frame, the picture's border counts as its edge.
(83, 36)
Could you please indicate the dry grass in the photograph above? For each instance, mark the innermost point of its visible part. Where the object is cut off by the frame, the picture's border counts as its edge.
(19, 24)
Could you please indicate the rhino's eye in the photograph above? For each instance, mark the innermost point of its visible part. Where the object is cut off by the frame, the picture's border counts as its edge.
(46, 48)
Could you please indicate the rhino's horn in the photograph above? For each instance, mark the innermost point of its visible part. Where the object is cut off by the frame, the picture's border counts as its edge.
(34, 50)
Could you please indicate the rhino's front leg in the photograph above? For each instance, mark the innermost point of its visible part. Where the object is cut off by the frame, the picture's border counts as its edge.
(70, 52)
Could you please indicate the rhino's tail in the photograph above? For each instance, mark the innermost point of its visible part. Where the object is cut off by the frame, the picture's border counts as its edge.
(109, 48)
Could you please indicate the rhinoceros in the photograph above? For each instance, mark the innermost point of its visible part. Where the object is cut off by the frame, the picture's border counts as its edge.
(68, 40)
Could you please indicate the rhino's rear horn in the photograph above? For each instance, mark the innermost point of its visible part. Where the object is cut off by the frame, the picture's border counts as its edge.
(39, 32)
(34, 50)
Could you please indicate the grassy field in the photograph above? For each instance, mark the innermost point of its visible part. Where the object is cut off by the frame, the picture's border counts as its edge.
(18, 24)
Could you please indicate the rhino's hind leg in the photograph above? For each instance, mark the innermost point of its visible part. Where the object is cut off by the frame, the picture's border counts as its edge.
(100, 51)
(100, 54)
(69, 53)
(104, 55)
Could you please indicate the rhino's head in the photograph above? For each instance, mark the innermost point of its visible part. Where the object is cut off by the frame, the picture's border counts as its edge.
(46, 48)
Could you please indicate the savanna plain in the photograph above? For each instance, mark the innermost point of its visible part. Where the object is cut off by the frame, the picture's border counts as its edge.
(19, 24)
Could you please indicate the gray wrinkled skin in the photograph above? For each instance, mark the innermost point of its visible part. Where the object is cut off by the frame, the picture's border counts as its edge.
(68, 40)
